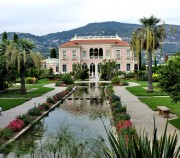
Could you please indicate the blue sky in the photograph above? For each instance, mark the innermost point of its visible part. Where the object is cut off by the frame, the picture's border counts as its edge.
(40, 17)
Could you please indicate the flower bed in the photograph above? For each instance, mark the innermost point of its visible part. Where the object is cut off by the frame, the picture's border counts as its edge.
(32, 115)
(120, 117)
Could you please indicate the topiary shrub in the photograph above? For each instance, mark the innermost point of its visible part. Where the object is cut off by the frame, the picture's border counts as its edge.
(24, 118)
(50, 100)
(35, 111)
(114, 98)
(115, 80)
(123, 117)
(67, 79)
(116, 104)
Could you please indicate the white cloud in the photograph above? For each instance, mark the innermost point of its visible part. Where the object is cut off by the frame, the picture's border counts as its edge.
(46, 16)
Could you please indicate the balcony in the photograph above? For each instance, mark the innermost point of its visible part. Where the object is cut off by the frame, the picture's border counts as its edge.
(118, 57)
(96, 57)
(64, 57)
(74, 57)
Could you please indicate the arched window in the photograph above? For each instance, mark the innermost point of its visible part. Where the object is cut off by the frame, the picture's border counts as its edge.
(100, 53)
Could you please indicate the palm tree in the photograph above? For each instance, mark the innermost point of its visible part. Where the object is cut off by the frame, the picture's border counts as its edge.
(20, 54)
(151, 34)
(136, 46)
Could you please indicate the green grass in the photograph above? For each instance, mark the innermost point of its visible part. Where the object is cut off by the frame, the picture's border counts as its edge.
(7, 104)
(35, 93)
(13, 99)
(164, 101)
(140, 91)
(45, 81)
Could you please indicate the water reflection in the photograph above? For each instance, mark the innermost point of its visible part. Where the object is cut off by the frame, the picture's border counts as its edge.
(74, 114)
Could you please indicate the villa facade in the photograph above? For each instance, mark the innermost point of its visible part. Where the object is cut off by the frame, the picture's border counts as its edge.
(90, 51)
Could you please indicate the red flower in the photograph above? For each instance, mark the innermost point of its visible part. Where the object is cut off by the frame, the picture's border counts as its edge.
(16, 125)
(123, 124)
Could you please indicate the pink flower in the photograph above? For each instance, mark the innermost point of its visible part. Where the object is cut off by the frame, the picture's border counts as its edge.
(16, 125)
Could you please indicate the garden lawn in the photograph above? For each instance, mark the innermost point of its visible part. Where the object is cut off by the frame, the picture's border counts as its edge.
(140, 91)
(13, 99)
(35, 93)
(45, 81)
(164, 101)
(7, 104)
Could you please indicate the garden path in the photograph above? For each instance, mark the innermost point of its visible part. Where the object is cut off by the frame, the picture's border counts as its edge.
(9, 115)
(142, 115)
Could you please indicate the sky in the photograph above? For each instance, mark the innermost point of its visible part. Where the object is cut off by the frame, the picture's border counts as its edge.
(40, 17)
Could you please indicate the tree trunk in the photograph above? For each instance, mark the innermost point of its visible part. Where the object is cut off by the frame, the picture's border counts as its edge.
(150, 81)
(23, 87)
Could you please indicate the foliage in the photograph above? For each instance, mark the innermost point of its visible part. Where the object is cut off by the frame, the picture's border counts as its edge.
(16, 125)
(123, 124)
(60, 83)
(115, 80)
(120, 109)
(35, 111)
(31, 80)
(155, 77)
(44, 106)
(108, 69)
(115, 98)
(67, 79)
(143, 146)
(6, 133)
(24, 118)
(50, 100)
(169, 79)
(148, 38)
(53, 53)
(79, 72)
(123, 117)
(18, 53)
(116, 104)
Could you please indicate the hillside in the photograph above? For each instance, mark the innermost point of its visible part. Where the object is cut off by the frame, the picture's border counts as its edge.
(124, 30)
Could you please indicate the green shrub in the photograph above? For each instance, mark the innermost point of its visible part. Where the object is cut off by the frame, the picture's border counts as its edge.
(124, 83)
(6, 133)
(115, 80)
(24, 118)
(44, 106)
(119, 110)
(115, 98)
(116, 104)
(59, 83)
(69, 88)
(31, 80)
(35, 111)
(123, 117)
(67, 79)
(50, 100)
(155, 77)
(129, 75)
(143, 76)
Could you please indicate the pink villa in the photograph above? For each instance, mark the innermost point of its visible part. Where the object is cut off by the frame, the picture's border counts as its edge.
(90, 51)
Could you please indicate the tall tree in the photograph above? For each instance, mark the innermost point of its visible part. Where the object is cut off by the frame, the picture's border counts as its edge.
(53, 53)
(153, 34)
(4, 36)
(136, 45)
(21, 55)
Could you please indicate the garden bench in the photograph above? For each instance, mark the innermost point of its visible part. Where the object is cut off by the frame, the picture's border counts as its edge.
(164, 111)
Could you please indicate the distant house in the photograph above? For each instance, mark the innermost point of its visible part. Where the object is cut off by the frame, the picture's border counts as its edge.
(90, 51)
(51, 63)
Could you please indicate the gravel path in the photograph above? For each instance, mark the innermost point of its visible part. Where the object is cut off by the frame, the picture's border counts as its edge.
(142, 115)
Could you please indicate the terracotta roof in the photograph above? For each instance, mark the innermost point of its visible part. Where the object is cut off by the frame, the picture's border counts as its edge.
(114, 42)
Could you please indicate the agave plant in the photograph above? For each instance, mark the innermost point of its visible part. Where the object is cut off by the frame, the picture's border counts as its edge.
(143, 147)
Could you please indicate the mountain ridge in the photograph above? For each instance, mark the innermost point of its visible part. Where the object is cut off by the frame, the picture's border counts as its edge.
(124, 30)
